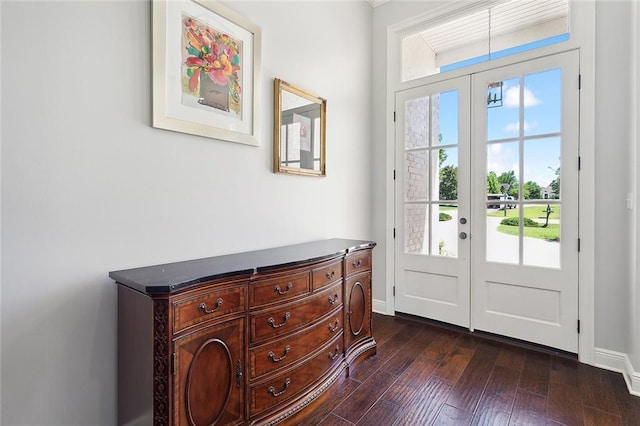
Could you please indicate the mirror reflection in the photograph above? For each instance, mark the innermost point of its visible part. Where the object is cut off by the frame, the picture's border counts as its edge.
(299, 131)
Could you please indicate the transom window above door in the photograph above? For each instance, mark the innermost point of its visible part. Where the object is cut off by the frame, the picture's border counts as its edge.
(491, 30)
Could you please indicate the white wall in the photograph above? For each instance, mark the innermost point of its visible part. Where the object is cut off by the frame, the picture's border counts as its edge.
(384, 16)
(613, 175)
(635, 158)
(88, 186)
(0, 218)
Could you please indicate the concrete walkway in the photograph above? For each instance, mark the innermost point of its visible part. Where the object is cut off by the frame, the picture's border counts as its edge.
(501, 248)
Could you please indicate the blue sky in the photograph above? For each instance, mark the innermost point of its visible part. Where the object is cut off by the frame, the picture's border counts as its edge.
(542, 116)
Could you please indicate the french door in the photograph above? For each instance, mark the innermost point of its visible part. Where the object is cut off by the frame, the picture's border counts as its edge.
(486, 201)
(433, 255)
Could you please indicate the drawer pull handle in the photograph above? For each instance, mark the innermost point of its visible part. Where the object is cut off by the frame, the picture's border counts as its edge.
(333, 328)
(331, 275)
(333, 300)
(239, 374)
(275, 394)
(273, 324)
(203, 306)
(273, 358)
(277, 288)
(332, 355)
(357, 263)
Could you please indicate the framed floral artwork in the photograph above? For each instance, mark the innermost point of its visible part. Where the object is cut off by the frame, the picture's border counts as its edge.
(206, 70)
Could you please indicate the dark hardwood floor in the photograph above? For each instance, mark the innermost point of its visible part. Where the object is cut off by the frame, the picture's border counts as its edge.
(424, 374)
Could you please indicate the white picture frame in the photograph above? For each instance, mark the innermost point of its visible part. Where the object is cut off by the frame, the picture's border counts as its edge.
(223, 48)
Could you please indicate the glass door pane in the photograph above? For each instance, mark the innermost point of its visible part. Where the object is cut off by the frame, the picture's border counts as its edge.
(524, 143)
(430, 171)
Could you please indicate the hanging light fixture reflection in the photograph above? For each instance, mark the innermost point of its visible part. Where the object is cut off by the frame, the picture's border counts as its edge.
(494, 90)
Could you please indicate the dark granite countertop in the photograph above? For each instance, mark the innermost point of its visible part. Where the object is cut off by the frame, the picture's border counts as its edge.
(171, 277)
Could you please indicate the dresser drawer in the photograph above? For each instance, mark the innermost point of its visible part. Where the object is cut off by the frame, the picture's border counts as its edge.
(291, 383)
(208, 305)
(287, 318)
(358, 262)
(326, 274)
(289, 349)
(278, 289)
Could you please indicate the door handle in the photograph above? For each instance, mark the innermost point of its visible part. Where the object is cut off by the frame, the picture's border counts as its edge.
(463, 235)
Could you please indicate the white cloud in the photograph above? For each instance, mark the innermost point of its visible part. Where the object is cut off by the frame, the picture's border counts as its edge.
(495, 149)
(512, 97)
(502, 157)
(515, 127)
(512, 127)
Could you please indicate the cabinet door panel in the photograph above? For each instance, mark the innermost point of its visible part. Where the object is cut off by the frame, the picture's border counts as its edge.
(213, 355)
(357, 305)
(209, 379)
(357, 308)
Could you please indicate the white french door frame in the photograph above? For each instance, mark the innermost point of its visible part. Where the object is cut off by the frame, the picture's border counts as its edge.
(582, 23)
(516, 299)
(447, 295)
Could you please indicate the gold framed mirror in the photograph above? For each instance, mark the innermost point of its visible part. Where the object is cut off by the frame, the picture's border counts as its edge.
(299, 131)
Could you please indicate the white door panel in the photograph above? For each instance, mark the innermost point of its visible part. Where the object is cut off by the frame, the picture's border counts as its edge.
(525, 285)
(432, 261)
(457, 259)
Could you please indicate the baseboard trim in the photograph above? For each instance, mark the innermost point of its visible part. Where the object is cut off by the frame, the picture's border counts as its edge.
(619, 362)
(380, 307)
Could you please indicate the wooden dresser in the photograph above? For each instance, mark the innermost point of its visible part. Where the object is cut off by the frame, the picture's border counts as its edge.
(247, 338)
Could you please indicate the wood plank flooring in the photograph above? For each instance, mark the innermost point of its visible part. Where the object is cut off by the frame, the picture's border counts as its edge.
(424, 374)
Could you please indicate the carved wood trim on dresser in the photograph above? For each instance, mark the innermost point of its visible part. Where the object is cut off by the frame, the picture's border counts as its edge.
(161, 362)
(247, 338)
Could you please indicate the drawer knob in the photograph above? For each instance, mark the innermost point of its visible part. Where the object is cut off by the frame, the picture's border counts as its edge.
(277, 288)
(203, 306)
(275, 394)
(332, 327)
(331, 275)
(273, 324)
(332, 355)
(357, 263)
(273, 358)
(333, 300)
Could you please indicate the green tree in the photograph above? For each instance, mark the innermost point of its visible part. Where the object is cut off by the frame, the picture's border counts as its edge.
(449, 183)
(493, 186)
(508, 177)
(532, 191)
(511, 179)
(442, 156)
(555, 184)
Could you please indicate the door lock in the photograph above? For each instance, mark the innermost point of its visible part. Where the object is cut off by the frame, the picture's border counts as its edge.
(463, 235)
(463, 220)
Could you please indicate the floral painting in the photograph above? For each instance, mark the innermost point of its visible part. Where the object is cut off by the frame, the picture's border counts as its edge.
(211, 66)
(206, 71)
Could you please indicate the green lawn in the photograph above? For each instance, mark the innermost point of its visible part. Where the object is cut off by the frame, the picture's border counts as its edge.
(538, 213)
(532, 212)
(551, 232)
